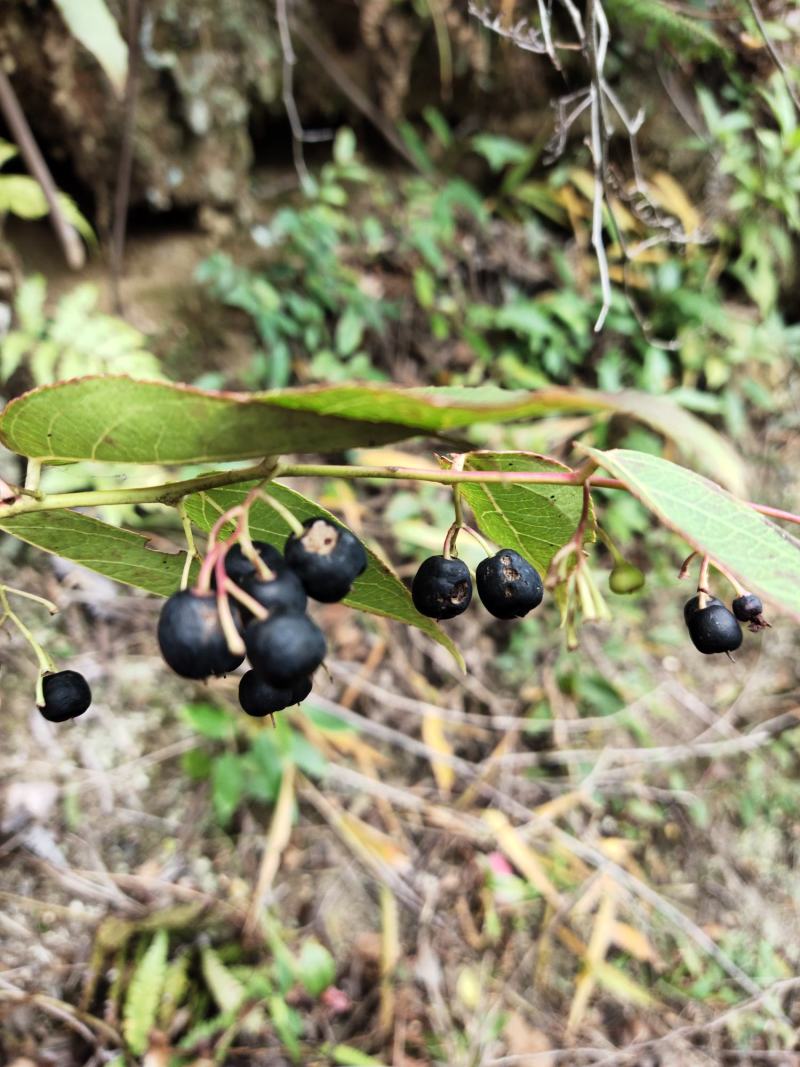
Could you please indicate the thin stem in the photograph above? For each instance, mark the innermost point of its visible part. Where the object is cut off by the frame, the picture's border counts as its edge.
(169, 493)
(684, 571)
(33, 477)
(191, 547)
(479, 538)
(45, 661)
(737, 585)
(702, 583)
(51, 607)
(291, 520)
(34, 160)
(232, 636)
(252, 605)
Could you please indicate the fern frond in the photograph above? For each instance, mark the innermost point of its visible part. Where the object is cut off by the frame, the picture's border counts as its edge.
(660, 19)
(144, 994)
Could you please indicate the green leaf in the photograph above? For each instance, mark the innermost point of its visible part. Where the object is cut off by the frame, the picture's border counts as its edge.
(499, 151)
(122, 420)
(227, 787)
(349, 331)
(535, 520)
(378, 590)
(118, 554)
(765, 558)
(348, 1056)
(7, 151)
(144, 995)
(209, 721)
(29, 303)
(316, 968)
(228, 992)
(93, 25)
(22, 196)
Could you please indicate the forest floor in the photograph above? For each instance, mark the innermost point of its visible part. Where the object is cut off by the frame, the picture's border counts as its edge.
(555, 858)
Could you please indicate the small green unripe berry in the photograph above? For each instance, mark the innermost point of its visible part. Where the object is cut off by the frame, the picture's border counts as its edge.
(625, 578)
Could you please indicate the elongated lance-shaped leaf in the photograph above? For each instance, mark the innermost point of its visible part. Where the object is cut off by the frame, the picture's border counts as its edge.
(118, 554)
(535, 520)
(378, 590)
(763, 557)
(144, 994)
(122, 420)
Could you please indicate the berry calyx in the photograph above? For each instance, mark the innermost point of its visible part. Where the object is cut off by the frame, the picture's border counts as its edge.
(509, 586)
(625, 578)
(284, 592)
(327, 558)
(285, 648)
(692, 605)
(66, 696)
(714, 629)
(442, 588)
(258, 698)
(191, 638)
(238, 567)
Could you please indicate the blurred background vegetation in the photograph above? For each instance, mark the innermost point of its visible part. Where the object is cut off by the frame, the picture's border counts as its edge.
(184, 886)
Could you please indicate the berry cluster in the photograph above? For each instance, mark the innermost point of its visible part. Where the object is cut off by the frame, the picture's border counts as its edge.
(508, 586)
(269, 593)
(713, 628)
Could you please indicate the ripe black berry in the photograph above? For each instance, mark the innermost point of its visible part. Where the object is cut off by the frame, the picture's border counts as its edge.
(284, 592)
(714, 629)
(191, 638)
(442, 588)
(238, 566)
(692, 605)
(66, 696)
(259, 698)
(285, 648)
(327, 557)
(508, 585)
(747, 607)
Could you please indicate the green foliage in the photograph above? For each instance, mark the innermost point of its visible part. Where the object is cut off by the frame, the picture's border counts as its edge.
(144, 994)
(692, 36)
(22, 196)
(75, 340)
(252, 765)
(758, 151)
(307, 299)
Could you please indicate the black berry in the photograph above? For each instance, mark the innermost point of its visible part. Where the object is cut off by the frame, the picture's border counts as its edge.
(693, 605)
(284, 592)
(191, 638)
(285, 648)
(714, 629)
(442, 588)
(747, 607)
(66, 695)
(508, 585)
(327, 558)
(259, 698)
(238, 567)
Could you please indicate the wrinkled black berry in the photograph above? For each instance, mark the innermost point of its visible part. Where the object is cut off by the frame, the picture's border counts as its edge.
(191, 638)
(238, 567)
(692, 605)
(714, 629)
(66, 696)
(284, 592)
(747, 607)
(327, 558)
(285, 648)
(442, 588)
(259, 698)
(508, 585)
